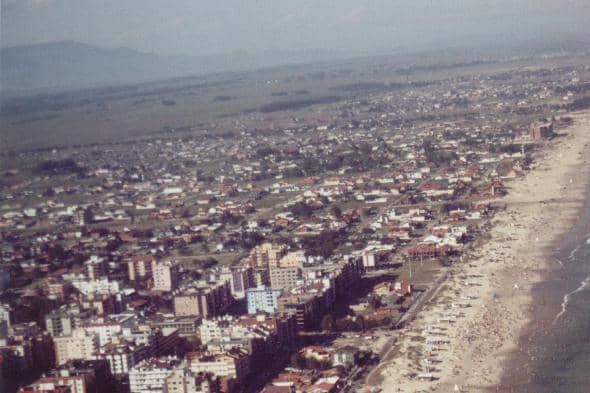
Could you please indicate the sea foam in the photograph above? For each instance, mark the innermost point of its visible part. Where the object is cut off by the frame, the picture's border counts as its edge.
(566, 298)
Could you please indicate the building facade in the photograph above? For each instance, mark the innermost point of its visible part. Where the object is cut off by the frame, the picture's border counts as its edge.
(263, 299)
(139, 267)
(166, 276)
(80, 345)
(204, 302)
(149, 376)
(284, 277)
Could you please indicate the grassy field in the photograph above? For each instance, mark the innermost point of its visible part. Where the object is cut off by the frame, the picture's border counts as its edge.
(219, 103)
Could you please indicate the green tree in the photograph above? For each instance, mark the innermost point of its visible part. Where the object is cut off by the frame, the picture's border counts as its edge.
(375, 302)
(337, 212)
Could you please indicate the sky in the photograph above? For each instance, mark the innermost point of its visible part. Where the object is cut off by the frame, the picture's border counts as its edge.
(204, 27)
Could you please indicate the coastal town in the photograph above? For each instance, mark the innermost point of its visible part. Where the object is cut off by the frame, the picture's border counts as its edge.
(283, 250)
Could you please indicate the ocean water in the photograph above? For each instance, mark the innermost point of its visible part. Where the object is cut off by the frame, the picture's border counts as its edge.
(554, 354)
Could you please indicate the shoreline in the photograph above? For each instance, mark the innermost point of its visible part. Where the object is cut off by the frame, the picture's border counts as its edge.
(476, 330)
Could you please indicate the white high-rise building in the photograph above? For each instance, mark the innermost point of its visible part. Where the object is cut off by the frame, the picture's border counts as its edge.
(4, 320)
(166, 275)
(149, 375)
(80, 345)
(183, 380)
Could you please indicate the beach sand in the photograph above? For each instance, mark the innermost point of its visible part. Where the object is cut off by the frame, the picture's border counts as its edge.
(464, 337)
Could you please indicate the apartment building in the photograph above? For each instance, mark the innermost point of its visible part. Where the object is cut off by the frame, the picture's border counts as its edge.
(149, 375)
(284, 277)
(166, 275)
(263, 299)
(234, 363)
(79, 345)
(266, 255)
(203, 301)
(139, 267)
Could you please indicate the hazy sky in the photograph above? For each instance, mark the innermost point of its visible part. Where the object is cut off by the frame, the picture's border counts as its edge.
(219, 26)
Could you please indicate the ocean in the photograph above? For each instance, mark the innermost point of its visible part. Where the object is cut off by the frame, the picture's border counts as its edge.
(554, 354)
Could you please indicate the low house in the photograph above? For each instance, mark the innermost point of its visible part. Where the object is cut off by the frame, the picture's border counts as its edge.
(346, 356)
(402, 287)
(426, 250)
(315, 352)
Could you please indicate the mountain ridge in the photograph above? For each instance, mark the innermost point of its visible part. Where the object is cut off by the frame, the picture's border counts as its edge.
(64, 65)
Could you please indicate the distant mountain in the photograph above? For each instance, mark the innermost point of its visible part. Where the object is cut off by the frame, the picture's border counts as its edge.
(72, 65)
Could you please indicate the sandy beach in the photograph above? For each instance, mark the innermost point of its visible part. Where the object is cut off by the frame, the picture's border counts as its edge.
(463, 338)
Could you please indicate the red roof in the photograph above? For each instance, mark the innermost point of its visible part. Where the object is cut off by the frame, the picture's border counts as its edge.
(143, 258)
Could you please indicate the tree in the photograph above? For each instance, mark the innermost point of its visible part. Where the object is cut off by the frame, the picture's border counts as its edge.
(368, 231)
(337, 212)
(328, 324)
(323, 244)
(250, 239)
(301, 209)
(375, 302)
(298, 361)
(88, 215)
(205, 264)
(185, 251)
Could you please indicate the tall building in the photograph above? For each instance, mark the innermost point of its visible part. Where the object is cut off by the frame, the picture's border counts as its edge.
(284, 277)
(234, 363)
(261, 277)
(95, 267)
(33, 353)
(107, 328)
(282, 326)
(88, 376)
(123, 356)
(46, 388)
(205, 302)
(149, 375)
(348, 275)
(186, 326)
(368, 260)
(63, 321)
(307, 309)
(263, 299)
(240, 277)
(183, 380)
(80, 345)
(221, 328)
(58, 289)
(102, 304)
(98, 286)
(5, 277)
(139, 267)
(166, 275)
(266, 255)
(96, 371)
(42, 351)
(4, 320)
(293, 259)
